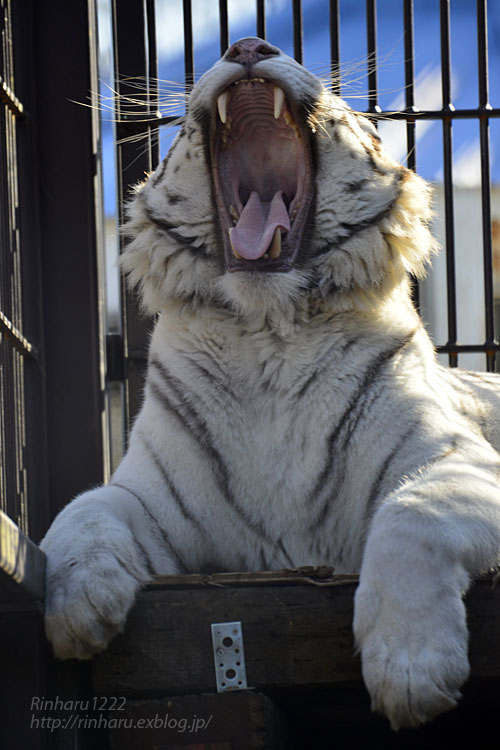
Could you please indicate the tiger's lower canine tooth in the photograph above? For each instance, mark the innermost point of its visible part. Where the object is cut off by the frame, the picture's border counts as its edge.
(235, 252)
(275, 249)
(279, 98)
(222, 101)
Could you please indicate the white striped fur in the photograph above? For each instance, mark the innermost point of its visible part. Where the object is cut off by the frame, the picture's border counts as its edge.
(295, 418)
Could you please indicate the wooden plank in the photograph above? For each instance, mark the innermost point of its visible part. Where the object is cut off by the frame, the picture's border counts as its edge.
(295, 636)
(317, 575)
(22, 564)
(230, 721)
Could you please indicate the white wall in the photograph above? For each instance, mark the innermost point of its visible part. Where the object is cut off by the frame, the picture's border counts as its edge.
(469, 272)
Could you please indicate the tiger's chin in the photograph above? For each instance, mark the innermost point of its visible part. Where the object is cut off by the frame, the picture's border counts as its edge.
(280, 299)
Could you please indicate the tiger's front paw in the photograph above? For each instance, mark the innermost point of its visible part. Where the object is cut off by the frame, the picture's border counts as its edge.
(87, 605)
(93, 574)
(414, 658)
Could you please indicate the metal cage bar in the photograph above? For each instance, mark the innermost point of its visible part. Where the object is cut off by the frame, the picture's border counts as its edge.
(224, 26)
(152, 80)
(14, 346)
(135, 56)
(411, 142)
(335, 46)
(188, 45)
(261, 19)
(484, 134)
(371, 43)
(298, 34)
(448, 181)
(409, 47)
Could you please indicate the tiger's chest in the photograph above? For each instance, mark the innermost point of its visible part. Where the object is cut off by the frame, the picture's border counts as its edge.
(275, 414)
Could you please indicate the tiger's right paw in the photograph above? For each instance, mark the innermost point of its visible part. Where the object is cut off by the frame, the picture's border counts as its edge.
(87, 604)
(93, 575)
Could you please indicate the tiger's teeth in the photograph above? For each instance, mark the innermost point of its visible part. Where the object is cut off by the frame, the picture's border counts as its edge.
(222, 101)
(235, 252)
(279, 98)
(275, 250)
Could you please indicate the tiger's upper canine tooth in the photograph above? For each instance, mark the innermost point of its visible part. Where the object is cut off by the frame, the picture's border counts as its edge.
(275, 249)
(279, 98)
(222, 101)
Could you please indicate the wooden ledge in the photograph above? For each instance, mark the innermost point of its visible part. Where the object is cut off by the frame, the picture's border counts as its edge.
(297, 632)
(22, 567)
(316, 575)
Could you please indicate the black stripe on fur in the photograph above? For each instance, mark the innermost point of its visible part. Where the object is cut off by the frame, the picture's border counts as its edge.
(197, 427)
(350, 230)
(175, 494)
(379, 479)
(372, 372)
(182, 568)
(169, 229)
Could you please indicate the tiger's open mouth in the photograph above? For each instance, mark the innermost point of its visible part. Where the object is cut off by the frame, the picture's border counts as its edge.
(262, 173)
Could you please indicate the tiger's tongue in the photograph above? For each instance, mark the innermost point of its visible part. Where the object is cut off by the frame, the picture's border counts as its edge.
(254, 232)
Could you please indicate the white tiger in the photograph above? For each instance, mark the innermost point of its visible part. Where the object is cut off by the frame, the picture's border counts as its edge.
(294, 412)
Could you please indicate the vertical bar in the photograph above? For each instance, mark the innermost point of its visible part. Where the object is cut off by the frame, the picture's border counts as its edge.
(188, 45)
(484, 136)
(261, 19)
(448, 179)
(371, 39)
(133, 160)
(411, 157)
(297, 31)
(482, 51)
(152, 81)
(13, 499)
(96, 216)
(65, 138)
(35, 455)
(224, 26)
(410, 81)
(335, 46)
(444, 15)
(11, 286)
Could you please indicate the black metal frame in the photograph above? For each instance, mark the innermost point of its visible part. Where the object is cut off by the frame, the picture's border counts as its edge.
(51, 296)
(51, 323)
(14, 346)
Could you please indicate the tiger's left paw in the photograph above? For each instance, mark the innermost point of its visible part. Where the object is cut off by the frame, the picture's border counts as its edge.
(414, 659)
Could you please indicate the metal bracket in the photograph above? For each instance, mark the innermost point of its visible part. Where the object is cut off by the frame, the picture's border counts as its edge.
(229, 656)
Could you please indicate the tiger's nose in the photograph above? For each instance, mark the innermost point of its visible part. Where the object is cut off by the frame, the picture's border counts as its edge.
(249, 51)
